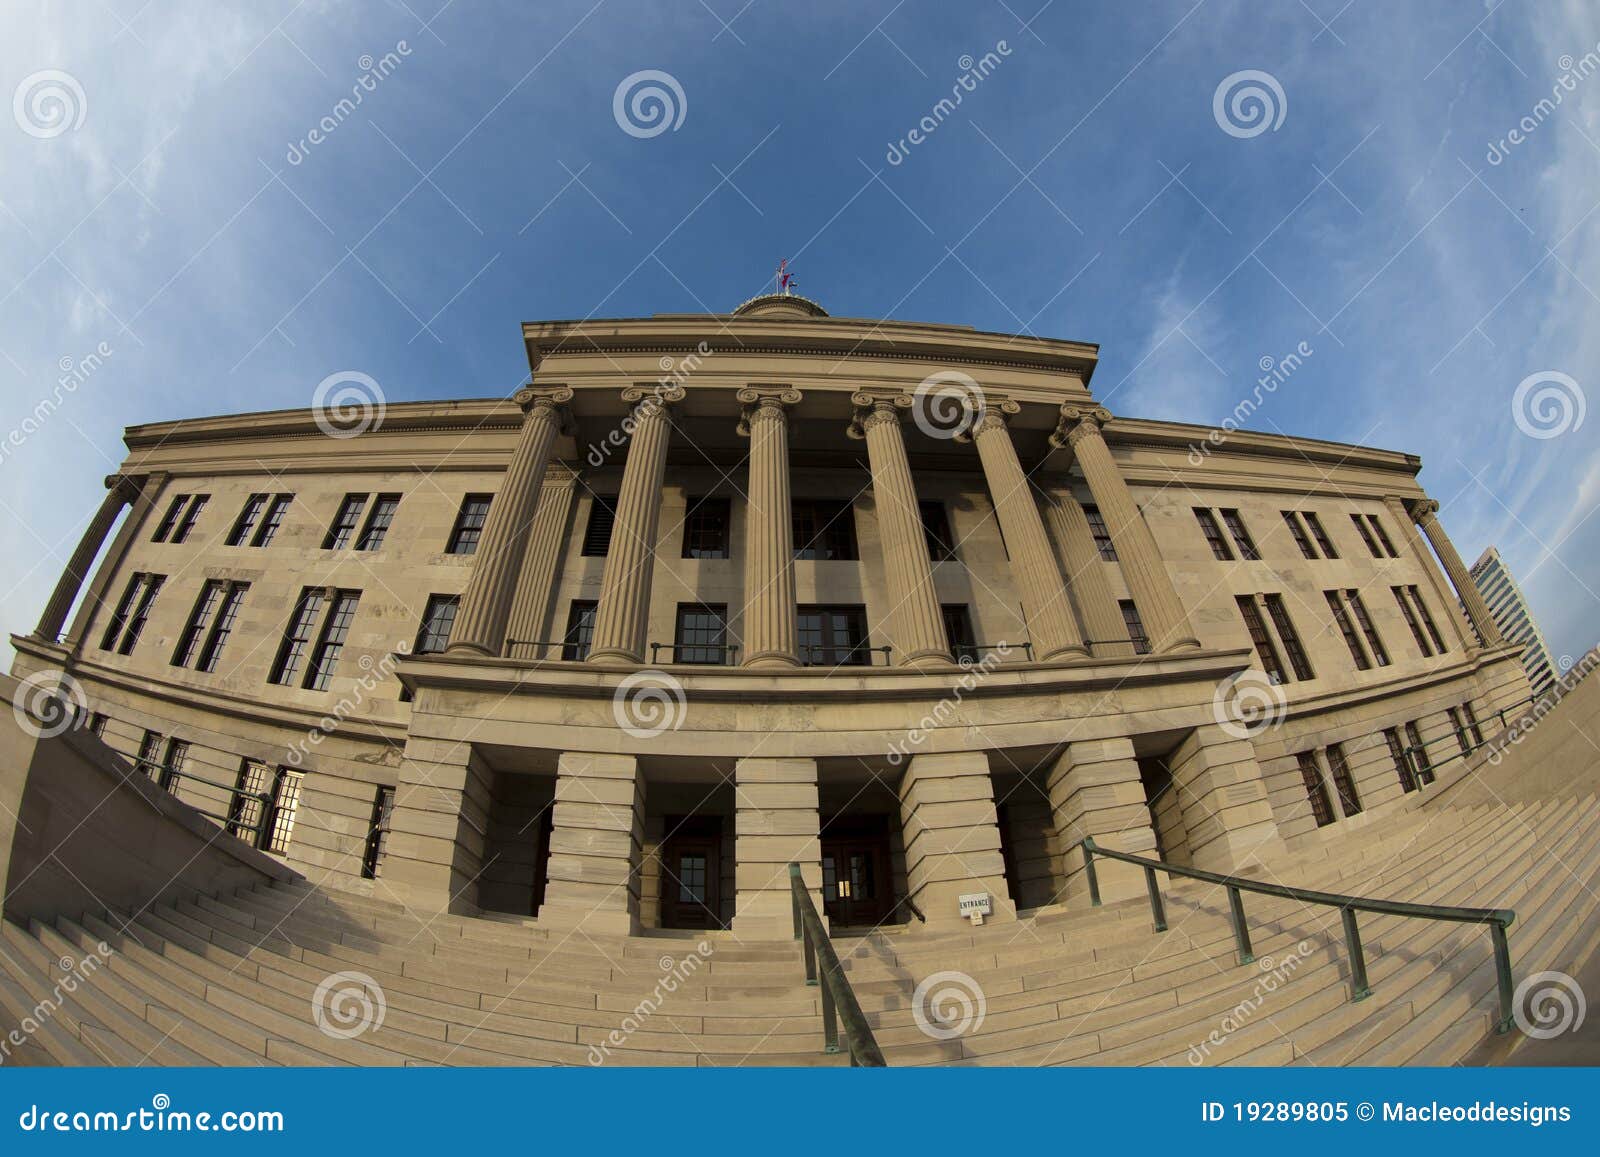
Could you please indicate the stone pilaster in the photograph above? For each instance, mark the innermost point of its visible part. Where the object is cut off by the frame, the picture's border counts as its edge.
(1446, 603)
(1051, 627)
(1224, 796)
(770, 634)
(916, 623)
(121, 489)
(530, 607)
(776, 825)
(1165, 620)
(1096, 792)
(480, 626)
(1086, 577)
(952, 836)
(595, 856)
(623, 617)
(1426, 513)
(435, 850)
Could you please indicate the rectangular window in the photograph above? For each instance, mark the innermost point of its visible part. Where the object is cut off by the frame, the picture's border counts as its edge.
(438, 619)
(141, 613)
(602, 517)
(169, 520)
(1316, 788)
(1301, 539)
(1317, 532)
(1472, 723)
(580, 631)
(1213, 533)
(199, 622)
(705, 529)
(1101, 534)
(1136, 632)
(211, 653)
(958, 632)
(702, 634)
(379, 519)
(833, 636)
(285, 804)
(249, 515)
(1344, 784)
(119, 617)
(1266, 650)
(1351, 639)
(149, 760)
(1241, 536)
(378, 833)
(97, 724)
(824, 529)
(1366, 535)
(1427, 619)
(1298, 660)
(1402, 764)
(344, 523)
(1383, 536)
(246, 808)
(1364, 621)
(1419, 755)
(172, 765)
(325, 659)
(936, 531)
(464, 535)
(268, 530)
(1410, 616)
(1459, 726)
(190, 517)
(297, 636)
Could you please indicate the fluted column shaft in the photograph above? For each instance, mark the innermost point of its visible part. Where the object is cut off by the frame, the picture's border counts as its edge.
(1086, 577)
(1054, 633)
(915, 620)
(530, 606)
(623, 617)
(121, 489)
(1157, 599)
(480, 625)
(1426, 515)
(770, 634)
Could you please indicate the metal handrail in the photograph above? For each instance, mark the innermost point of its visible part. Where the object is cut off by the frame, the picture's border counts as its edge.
(510, 643)
(838, 998)
(977, 650)
(727, 651)
(807, 650)
(1498, 919)
(147, 765)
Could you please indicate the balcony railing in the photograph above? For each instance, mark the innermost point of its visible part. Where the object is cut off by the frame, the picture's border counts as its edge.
(859, 655)
(696, 654)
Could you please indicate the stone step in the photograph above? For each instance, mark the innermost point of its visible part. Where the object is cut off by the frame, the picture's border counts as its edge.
(34, 1005)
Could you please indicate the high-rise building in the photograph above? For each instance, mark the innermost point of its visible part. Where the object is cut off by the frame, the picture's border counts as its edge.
(1514, 617)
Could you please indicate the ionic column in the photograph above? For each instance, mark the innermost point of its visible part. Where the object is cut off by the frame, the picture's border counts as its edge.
(480, 625)
(121, 489)
(1413, 542)
(1053, 631)
(770, 635)
(531, 604)
(1086, 577)
(1151, 586)
(623, 617)
(1425, 513)
(916, 624)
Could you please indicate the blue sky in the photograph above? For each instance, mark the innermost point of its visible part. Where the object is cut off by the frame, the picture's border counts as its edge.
(1083, 189)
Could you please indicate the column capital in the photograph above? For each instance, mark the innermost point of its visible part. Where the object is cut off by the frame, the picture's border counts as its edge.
(995, 412)
(1421, 510)
(127, 486)
(876, 407)
(764, 402)
(656, 396)
(1076, 423)
(554, 399)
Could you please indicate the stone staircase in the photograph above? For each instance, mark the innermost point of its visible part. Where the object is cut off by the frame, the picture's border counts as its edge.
(234, 979)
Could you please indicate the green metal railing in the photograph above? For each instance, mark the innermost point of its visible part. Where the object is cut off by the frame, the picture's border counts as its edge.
(824, 970)
(1498, 919)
